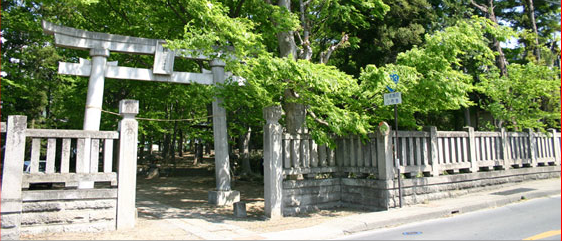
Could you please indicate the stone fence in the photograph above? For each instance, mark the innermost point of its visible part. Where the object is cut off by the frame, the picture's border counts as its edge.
(361, 172)
(69, 180)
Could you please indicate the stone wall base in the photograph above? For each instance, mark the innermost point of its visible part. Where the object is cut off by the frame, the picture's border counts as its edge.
(309, 195)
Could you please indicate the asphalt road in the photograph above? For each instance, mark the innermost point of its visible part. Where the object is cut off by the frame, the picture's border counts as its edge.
(537, 219)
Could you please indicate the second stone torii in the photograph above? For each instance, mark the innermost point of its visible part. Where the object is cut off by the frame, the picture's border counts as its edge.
(101, 45)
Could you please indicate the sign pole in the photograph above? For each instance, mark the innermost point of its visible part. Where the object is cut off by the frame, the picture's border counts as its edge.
(396, 160)
(395, 98)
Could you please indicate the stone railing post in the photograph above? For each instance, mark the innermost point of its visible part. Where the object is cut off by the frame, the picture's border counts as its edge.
(223, 195)
(532, 154)
(12, 177)
(472, 149)
(434, 150)
(385, 159)
(555, 146)
(273, 158)
(127, 176)
(506, 155)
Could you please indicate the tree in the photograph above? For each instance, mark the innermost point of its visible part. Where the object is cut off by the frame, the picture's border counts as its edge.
(489, 11)
(432, 77)
(529, 98)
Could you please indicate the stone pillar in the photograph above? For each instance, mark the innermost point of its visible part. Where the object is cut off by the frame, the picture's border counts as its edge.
(127, 174)
(506, 154)
(273, 158)
(555, 146)
(434, 150)
(94, 99)
(384, 153)
(472, 149)
(223, 195)
(532, 154)
(12, 177)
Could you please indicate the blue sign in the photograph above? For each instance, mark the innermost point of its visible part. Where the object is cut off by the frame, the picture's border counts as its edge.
(395, 78)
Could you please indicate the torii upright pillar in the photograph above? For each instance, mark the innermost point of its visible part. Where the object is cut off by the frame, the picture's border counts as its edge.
(223, 195)
(94, 100)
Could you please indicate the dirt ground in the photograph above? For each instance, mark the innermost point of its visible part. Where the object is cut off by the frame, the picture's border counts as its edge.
(185, 192)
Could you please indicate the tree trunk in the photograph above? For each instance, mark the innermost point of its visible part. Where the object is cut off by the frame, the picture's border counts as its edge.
(150, 143)
(531, 12)
(166, 149)
(467, 116)
(244, 151)
(489, 11)
(173, 143)
(286, 40)
(180, 146)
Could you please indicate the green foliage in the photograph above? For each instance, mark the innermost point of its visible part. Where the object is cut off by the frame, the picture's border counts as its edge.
(529, 98)
(326, 91)
(432, 78)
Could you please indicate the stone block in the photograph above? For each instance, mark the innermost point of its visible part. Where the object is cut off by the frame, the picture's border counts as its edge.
(45, 218)
(42, 206)
(240, 209)
(10, 234)
(10, 221)
(91, 204)
(222, 198)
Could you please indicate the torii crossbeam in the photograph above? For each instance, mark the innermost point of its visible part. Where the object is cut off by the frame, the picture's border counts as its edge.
(101, 44)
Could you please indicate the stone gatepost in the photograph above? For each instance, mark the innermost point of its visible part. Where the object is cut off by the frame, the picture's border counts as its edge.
(12, 177)
(223, 195)
(273, 159)
(127, 174)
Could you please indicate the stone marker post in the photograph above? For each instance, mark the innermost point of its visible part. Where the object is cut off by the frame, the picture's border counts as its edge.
(127, 174)
(12, 177)
(384, 151)
(273, 158)
(223, 195)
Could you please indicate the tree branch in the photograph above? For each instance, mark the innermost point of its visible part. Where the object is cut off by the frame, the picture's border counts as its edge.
(482, 8)
(320, 121)
(325, 56)
(238, 9)
(176, 12)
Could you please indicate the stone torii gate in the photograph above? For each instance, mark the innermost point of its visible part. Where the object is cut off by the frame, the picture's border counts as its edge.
(97, 69)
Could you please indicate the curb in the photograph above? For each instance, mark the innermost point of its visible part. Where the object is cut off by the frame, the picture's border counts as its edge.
(447, 212)
(354, 224)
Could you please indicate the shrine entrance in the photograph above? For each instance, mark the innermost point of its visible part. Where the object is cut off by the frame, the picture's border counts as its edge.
(101, 45)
